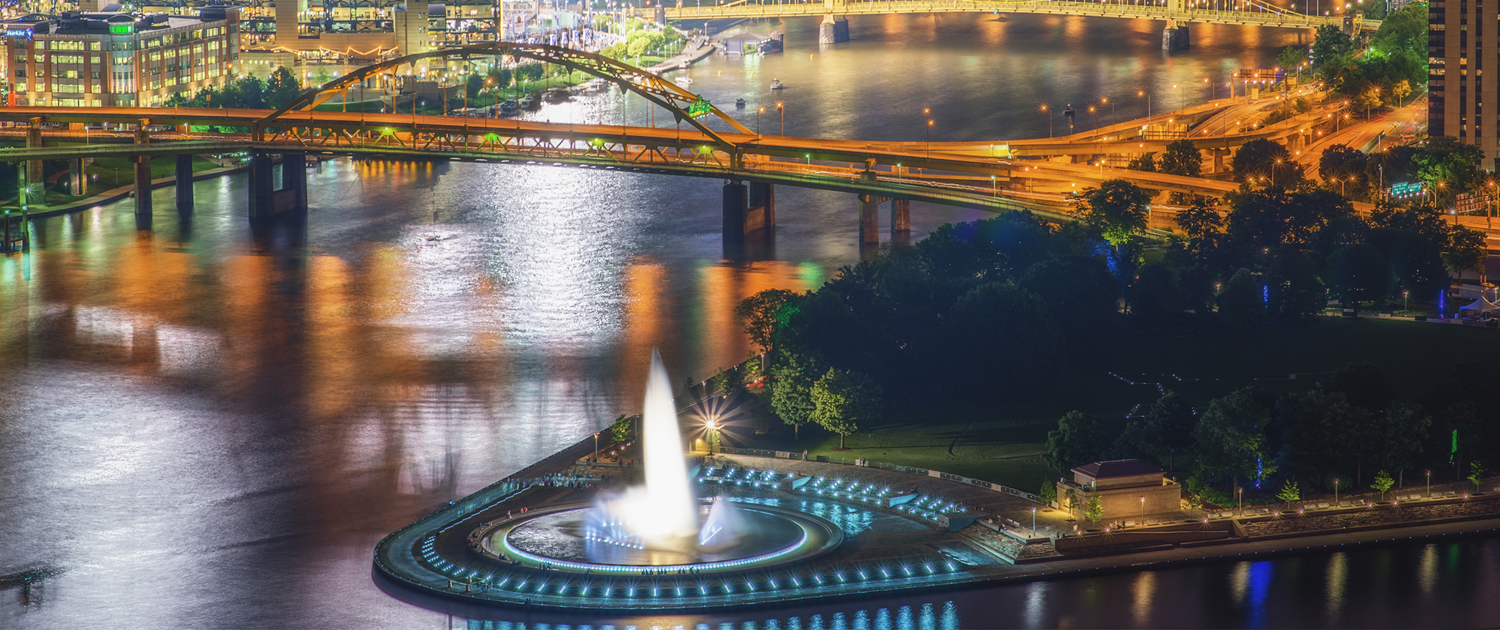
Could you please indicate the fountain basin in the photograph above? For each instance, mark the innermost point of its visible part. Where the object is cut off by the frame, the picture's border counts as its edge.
(554, 539)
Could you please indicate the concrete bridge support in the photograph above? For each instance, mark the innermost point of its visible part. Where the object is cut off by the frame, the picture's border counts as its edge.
(1175, 37)
(31, 175)
(900, 219)
(78, 176)
(762, 211)
(736, 206)
(267, 202)
(184, 185)
(142, 191)
(869, 220)
(833, 30)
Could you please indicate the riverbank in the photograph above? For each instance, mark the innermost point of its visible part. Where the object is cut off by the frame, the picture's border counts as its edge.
(981, 538)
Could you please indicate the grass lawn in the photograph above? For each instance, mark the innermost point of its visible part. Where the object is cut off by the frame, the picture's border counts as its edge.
(1003, 443)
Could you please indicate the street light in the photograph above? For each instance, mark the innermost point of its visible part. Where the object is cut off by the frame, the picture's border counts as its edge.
(1049, 121)
(596, 447)
(1429, 484)
(1143, 510)
(929, 139)
(1148, 105)
(1033, 521)
(757, 119)
(782, 109)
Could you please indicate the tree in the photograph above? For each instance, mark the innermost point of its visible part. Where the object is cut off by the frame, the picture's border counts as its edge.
(1476, 473)
(1077, 440)
(1048, 493)
(1002, 337)
(1289, 492)
(1449, 166)
(1319, 433)
(1330, 47)
(843, 400)
(1094, 509)
(623, 429)
(282, 88)
(1201, 219)
(1382, 483)
(1117, 208)
(763, 314)
(1163, 432)
(1359, 273)
(499, 77)
(1343, 165)
(1266, 158)
(1401, 90)
(1182, 158)
(1230, 439)
(473, 85)
(1466, 251)
(791, 388)
(1144, 162)
(1080, 293)
(1291, 58)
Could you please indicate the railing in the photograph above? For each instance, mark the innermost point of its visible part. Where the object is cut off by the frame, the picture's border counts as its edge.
(925, 472)
(1268, 14)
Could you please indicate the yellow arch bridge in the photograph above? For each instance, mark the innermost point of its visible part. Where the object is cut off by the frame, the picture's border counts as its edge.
(707, 144)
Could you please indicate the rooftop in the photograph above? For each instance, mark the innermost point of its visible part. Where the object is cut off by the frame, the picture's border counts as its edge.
(1117, 468)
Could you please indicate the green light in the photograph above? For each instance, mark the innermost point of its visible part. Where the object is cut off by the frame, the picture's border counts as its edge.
(700, 107)
(122, 29)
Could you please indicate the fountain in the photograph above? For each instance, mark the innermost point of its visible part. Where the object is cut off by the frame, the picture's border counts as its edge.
(661, 523)
(663, 514)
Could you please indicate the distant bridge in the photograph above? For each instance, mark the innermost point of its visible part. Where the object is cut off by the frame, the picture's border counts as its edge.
(1176, 13)
(960, 174)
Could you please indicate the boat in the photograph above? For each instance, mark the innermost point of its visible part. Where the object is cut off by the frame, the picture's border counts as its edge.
(739, 103)
(509, 108)
(529, 102)
(775, 84)
(682, 64)
(684, 80)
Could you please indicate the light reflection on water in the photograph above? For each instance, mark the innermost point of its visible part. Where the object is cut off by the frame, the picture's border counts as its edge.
(209, 427)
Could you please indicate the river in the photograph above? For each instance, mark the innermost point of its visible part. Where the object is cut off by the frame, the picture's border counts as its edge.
(207, 427)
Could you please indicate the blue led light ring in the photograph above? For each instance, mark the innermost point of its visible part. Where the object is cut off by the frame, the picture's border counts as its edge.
(803, 521)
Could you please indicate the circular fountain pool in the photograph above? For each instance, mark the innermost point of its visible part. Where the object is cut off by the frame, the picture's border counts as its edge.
(556, 539)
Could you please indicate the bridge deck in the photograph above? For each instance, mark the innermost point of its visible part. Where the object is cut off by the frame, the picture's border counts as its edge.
(1260, 15)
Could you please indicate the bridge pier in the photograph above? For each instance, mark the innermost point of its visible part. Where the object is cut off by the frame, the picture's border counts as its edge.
(762, 211)
(266, 201)
(78, 176)
(184, 185)
(736, 208)
(142, 191)
(900, 219)
(1175, 37)
(833, 30)
(869, 220)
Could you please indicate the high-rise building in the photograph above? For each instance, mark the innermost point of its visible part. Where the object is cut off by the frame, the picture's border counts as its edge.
(1459, 49)
(103, 59)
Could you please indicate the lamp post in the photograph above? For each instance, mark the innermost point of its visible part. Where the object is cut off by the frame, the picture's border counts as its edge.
(596, 447)
(757, 119)
(1049, 121)
(1033, 521)
(929, 139)
(1429, 484)
(1240, 494)
(1105, 100)
(1335, 492)
(1143, 510)
(782, 109)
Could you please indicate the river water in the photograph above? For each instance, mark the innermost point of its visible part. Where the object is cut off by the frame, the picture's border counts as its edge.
(207, 427)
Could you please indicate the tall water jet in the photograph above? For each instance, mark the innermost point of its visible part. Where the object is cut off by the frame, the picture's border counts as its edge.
(669, 504)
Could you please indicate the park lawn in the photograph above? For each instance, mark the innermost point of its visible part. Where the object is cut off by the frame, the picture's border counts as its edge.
(1003, 443)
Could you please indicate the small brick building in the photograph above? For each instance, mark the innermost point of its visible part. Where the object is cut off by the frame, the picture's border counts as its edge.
(1124, 485)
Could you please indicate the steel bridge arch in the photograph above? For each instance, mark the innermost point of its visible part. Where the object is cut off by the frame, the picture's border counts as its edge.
(655, 89)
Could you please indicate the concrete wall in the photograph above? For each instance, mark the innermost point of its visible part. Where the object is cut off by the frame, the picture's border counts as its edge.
(1125, 503)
